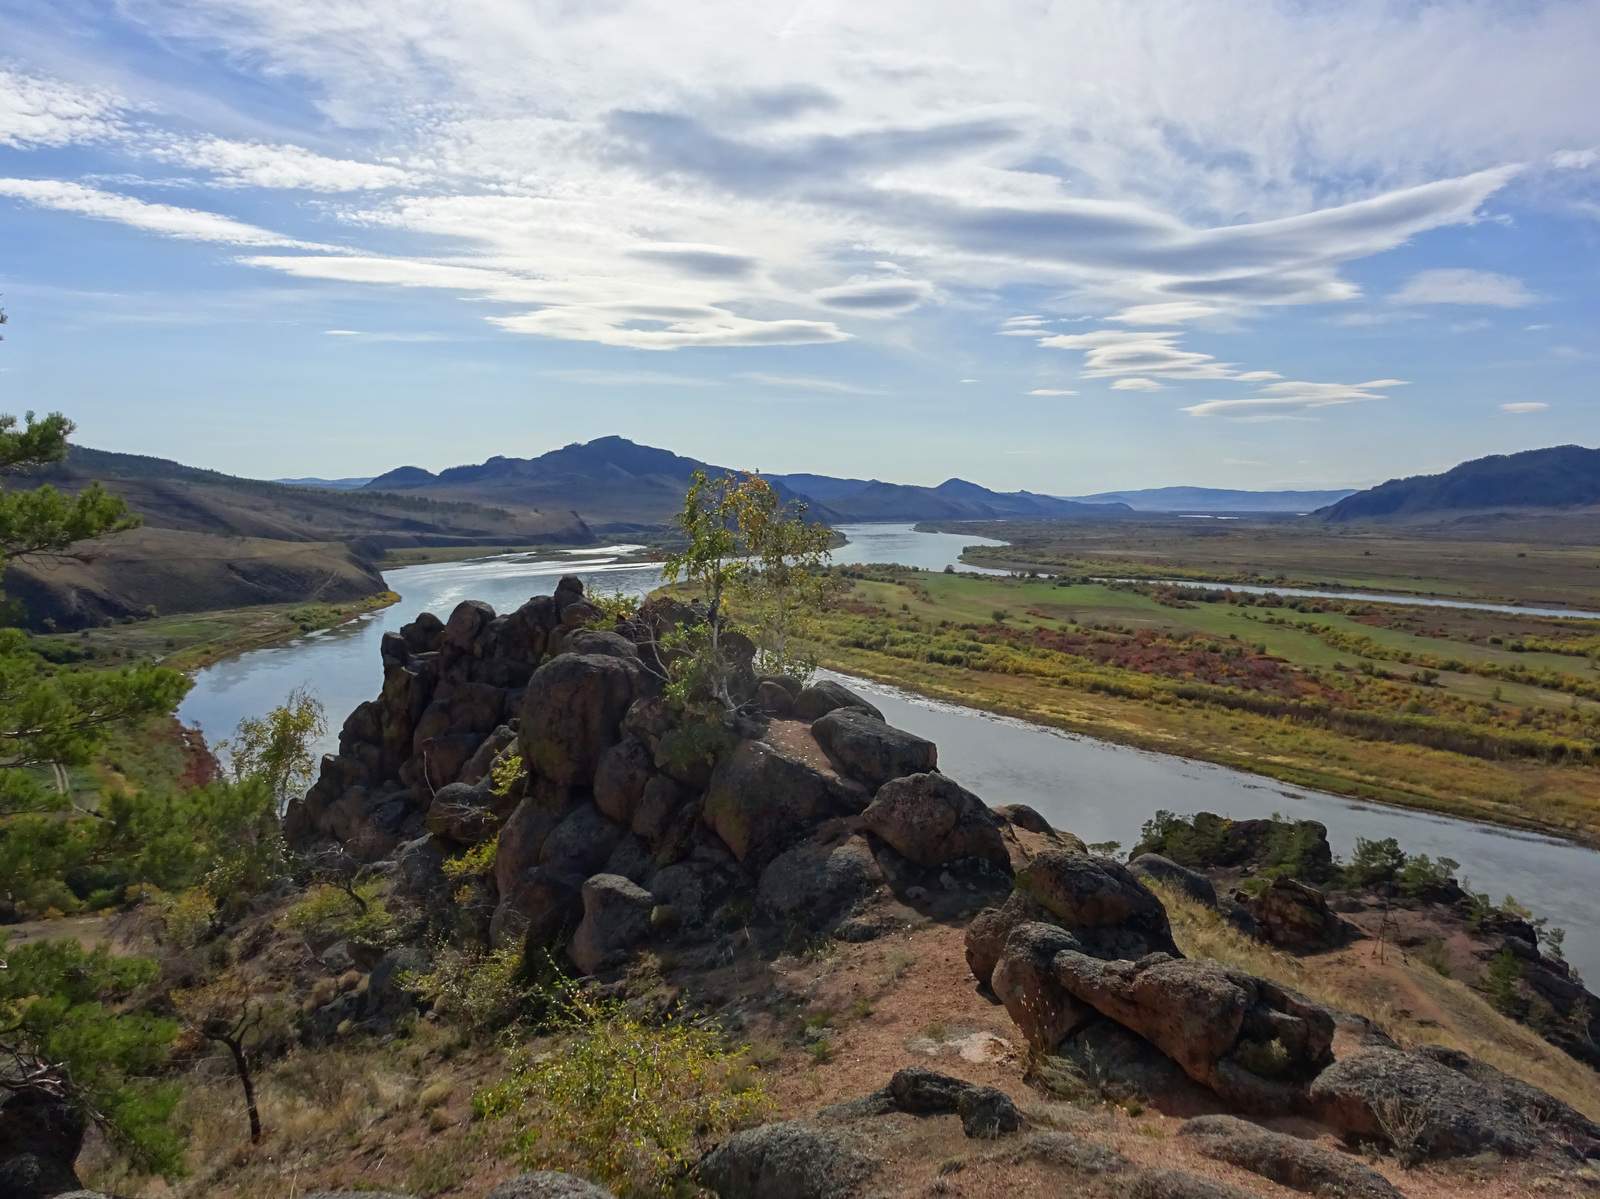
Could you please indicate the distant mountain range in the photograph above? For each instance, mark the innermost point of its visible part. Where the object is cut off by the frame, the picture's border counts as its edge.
(331, 484)
(620, 486)
(1214, 499)
(1565, 476)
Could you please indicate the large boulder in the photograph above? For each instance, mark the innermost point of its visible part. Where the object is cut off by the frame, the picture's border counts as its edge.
(616, 917)
(930, 819)
(821, 878)
(40, 1136)
(1443, 1104)
(870, 750)
(658, 804)
(1110, 912)
(1254, 1042)
(464, 814)
(1024, 979)
(571, 711)
(620, 780)
(762, 796)
(522, 837)
(549, 1184)
(1295, 916)
(581, 843)
(537, 907)
(1152, 867)
(791, 1160)
(824, 696)
(1288, 1161)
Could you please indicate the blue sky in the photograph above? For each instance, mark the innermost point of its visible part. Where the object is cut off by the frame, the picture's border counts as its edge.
(1062, 246)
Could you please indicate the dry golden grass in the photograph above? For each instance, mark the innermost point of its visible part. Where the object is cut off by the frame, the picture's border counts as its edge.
(1469, 1023)
(332, 1118)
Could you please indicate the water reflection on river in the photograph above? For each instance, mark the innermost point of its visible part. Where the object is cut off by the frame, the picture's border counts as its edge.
(1098, 790)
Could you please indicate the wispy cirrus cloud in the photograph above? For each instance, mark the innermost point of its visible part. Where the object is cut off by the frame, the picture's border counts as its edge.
(186, 224)
(1289, 398)
(638, 181)
(1464, 287)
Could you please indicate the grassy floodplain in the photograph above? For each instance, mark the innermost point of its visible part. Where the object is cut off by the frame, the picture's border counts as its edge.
(1546, 560)
(194, 640)
(1487, 716)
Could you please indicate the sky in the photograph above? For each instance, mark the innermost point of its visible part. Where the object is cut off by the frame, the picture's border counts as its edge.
(1060, 245)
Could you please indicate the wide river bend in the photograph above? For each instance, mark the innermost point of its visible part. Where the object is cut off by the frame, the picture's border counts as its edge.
(1101, 791)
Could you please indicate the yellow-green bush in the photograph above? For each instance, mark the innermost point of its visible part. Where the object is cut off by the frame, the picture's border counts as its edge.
(627, 1103)
(328, 910)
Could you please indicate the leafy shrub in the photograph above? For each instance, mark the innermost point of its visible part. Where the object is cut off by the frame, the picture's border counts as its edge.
(1374, 862)
(630, 1104)
(475, 862)
(488, 993)
(58, 1012)
(1422, 874)
(1292, 849)
(329, 911)
(1268, 1059)
(1500, 983)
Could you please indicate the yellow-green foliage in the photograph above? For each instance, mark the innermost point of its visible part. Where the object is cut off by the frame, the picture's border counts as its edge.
(329, 910)
(484, 994)
(630, 1104)
(476, 862)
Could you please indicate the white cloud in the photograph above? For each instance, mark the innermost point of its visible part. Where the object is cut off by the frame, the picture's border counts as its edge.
(45, 112)
(650, 181)
(1571, 160)
(1524, 406)
(877, 297)
(1118, 352)
(1289, 398)
(1464, 287)
(187, 224)
(252, 164)
(1172, 313)
(806, 383)
(1051, 391)
(1137, 384)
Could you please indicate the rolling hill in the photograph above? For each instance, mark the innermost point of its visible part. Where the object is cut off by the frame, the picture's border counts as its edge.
(1566, 476)
(215, 541)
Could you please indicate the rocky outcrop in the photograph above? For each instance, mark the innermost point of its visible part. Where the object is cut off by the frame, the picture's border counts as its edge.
(631, 817)
(616, 917)
(1155, 868)
(40, 1136)
(930, 819)
(822, 878)
(791, 1160)
(1110, 913)
(825, 696)
(1253, 1042)
(1294, 916)
(1434, 1102)
(869, 750)
(763, 796)
(1288, 1161)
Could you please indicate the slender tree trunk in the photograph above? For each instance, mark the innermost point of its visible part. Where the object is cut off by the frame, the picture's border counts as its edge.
(243, 1067)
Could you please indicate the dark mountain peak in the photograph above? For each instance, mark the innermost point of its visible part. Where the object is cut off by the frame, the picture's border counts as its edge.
(1563, 476)
(402, 478)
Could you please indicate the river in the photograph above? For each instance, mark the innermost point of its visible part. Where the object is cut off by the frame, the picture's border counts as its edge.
(1101, 791)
